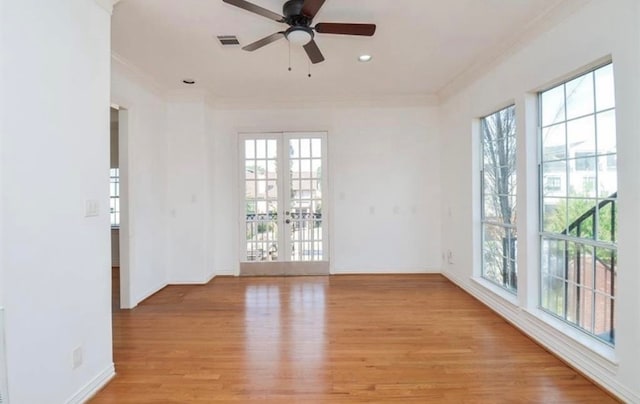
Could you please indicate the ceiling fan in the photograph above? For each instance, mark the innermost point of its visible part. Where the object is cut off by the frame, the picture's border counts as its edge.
(299, 15)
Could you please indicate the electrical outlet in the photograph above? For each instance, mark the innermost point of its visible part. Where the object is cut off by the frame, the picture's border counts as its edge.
(77, 357)
(92, 208)
(450, 257)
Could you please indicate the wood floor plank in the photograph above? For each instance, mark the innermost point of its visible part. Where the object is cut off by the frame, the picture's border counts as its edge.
(408, 338)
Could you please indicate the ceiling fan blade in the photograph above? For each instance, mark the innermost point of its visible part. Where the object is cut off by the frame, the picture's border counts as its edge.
(311, 7)
(345, 29)
(314, 52)
(264, 41)
(245, 5)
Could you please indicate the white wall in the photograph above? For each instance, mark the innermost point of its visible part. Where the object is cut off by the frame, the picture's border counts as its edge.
(115, 247)
(215, 239)
(188, 195)
(113, 151)
(54, 157)
(222, 148)
(600, 29)
(113, 146)
(384, 183)
(2, 125)
(145, 185)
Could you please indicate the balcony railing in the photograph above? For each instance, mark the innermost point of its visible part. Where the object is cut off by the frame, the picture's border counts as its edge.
(586, 226)
(304, 232)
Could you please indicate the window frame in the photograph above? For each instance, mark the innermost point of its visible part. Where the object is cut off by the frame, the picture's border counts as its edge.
(510, 286)
(594, 243)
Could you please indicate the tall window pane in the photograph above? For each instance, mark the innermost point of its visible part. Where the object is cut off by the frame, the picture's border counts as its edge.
(499, 232)
(578, 190)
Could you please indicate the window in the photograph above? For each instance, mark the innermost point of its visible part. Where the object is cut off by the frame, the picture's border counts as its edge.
(114, 202)
(499, 198)
(553, 183)
(588, 184)
(584, 163)
(579, 220)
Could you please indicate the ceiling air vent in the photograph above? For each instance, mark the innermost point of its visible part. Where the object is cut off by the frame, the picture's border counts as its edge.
(228, 40)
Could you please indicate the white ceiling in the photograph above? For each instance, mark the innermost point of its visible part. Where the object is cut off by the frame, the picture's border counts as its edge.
(420, 47)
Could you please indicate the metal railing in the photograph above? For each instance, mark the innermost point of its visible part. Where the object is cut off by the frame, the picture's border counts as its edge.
(262, 235)
(590, 218)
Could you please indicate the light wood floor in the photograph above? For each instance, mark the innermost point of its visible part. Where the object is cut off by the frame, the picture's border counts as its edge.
(415, 338)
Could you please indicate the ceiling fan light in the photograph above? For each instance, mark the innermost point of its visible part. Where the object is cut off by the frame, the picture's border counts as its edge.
(299, 36)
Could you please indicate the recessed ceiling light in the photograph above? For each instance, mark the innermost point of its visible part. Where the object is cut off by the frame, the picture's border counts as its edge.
(365, 58)
(189, 81)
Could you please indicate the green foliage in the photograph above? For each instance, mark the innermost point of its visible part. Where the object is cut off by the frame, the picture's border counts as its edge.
(564, 220)
(564, 217)
(264, 227)
(250, 208)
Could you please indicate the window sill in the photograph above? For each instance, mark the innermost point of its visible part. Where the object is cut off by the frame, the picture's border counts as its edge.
(564, 336)
(496, 290)
(599, 348)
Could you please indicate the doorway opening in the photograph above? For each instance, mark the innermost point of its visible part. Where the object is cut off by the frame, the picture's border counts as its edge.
(114, 207)
(118, 208)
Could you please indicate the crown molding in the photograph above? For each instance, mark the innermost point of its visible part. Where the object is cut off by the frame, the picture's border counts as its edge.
(493, 57)
(195, 95)
(134, 73)
(311, 102)
(107, 5)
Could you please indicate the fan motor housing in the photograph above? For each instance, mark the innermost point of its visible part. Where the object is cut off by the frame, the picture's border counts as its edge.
(299, 35)
(292, 11)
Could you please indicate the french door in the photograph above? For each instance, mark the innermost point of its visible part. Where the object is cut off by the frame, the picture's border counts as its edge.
(284, 185)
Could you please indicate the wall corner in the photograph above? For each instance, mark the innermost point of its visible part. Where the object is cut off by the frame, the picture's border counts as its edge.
(107, 5)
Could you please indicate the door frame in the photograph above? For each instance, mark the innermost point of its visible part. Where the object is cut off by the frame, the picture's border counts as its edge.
(124, 231)
(285, 267)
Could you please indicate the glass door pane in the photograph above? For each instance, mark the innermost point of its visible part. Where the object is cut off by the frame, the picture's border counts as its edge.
(304, 221)
(261, 183)
(283, 187)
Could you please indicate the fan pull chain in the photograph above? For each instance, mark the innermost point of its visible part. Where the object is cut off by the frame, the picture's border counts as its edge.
(289, 55)
(309, 63)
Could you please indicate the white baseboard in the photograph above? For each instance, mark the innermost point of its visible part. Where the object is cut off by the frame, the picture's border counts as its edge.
(150, 293)
(597, 366)
(227, 272)
(383, 271)
(94, 386)
(194, 282)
